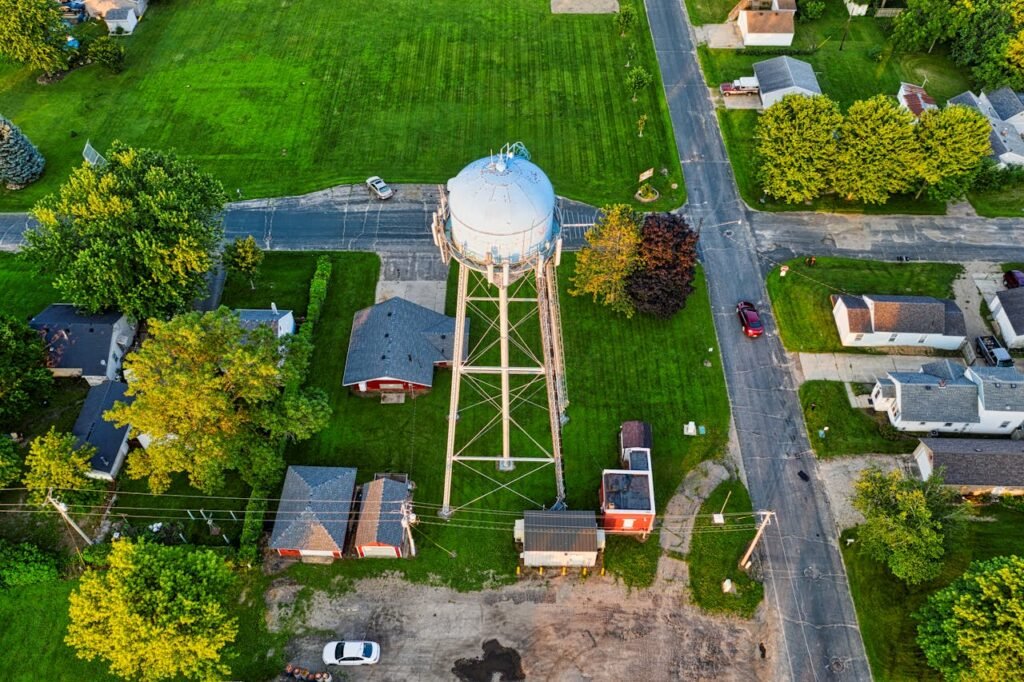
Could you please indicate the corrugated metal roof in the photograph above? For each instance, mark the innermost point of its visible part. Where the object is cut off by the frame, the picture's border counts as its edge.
(560, 531)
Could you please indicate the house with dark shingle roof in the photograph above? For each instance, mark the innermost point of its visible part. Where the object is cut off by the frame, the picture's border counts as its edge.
(974, 466)
(1004, 110)
(313, 516)
(559, 538)
(395, 347)
(781, 76)
(91, 429)
(282, 322)
(874, 320)
(380, 530)
(947, 397)
(82, 345)
(1007, 308)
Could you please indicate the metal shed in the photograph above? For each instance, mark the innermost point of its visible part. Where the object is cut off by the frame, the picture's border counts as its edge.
(559, 538)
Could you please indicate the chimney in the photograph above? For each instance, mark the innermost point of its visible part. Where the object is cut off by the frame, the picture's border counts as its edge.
(273, 306)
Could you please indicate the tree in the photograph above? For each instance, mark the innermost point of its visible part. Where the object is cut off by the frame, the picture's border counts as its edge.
(954, 143)
(108, 52)
(10, 462)
(974, 628)
(878, 154)
(809, 10)
(54, 462)
(637, 79)
(611, 255)
(156, 613)
(907, 522)
(795, 143)
(20, 161)
(137, 234)
(208, 395)
(668, 258)
(24, 380)
(32, 32)
(923, 22)
(244, 257)
(625, 19)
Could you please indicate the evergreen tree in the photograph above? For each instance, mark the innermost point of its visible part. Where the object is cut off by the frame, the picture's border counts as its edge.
(20, 161)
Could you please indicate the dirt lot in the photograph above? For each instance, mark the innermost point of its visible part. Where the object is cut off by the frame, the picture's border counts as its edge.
(560, 629)
(841, 473)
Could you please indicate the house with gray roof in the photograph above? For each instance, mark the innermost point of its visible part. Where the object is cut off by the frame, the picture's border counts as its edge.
(974, 466)
(559, 538)
(91, 429)
(84, 345)
(947, 397)
(282, 322)
(395, 347)
(312, 518)
(381, 529)
(1004, 110)
(781, 76)
(876, 320)
(1007, 308)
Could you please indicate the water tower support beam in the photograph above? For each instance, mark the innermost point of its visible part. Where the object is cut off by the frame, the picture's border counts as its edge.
(453, 409)
(506, 464)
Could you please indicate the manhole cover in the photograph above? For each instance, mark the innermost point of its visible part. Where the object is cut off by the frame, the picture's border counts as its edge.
(837, 665)
(812, 572)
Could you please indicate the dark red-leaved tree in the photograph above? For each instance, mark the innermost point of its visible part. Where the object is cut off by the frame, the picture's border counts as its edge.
(668, 256)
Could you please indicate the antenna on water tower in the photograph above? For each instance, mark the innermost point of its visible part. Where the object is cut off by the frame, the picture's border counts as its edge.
(499, 221)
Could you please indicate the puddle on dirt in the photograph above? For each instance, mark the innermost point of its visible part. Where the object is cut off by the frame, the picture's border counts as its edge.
(498, 663)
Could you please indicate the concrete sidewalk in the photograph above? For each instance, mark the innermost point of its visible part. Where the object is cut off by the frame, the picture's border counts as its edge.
(856, 367)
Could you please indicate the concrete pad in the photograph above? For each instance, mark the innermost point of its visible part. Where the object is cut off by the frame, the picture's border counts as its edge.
(584, 6)
(742, 102)
(851, 367)
(719, 36)
(414, 275)
(978, 283)
(429, 294)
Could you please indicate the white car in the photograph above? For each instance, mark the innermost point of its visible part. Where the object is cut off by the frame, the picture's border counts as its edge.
(379, 188)
(351, 653)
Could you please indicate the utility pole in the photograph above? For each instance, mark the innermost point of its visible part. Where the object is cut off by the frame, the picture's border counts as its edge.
(766, 518)
(63, 509)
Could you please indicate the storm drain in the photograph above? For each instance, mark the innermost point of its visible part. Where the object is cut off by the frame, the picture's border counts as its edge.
(498, 663)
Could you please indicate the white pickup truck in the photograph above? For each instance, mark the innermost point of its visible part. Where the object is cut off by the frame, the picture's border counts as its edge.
(747, 85)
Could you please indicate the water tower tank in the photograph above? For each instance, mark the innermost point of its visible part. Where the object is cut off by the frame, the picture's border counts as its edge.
(502, 210)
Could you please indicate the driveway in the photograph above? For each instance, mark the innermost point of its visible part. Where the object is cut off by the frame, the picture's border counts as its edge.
(856, 367)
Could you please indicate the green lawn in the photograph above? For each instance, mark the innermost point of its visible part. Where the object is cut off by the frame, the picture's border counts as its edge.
(715, 552)
(23, 291)
(851, 431)
(1003, 203)
(289, 97)
(855, 72)
(608, 383)
(884, 604)
(801, 302)
(708, 11)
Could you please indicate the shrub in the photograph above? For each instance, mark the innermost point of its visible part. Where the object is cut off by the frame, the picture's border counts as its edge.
(252, 528)
(811, 9)
(10, 462)
(25, 564)
(107, 52)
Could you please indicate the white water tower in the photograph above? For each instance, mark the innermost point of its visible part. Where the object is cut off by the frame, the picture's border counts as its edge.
(499, 222)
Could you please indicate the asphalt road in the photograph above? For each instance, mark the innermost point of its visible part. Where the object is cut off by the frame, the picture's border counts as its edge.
(805, 578)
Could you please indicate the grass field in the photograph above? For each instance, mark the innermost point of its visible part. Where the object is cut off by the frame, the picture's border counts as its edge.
(1007, 203)
(608, 383)
(288, 97)
(708, 11)
(23, 291)
(867, 65)
(884, 604)
(801, 302)
(714, 554)
(851, 431)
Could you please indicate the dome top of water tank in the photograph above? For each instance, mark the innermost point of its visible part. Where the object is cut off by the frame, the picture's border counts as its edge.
(502, 209)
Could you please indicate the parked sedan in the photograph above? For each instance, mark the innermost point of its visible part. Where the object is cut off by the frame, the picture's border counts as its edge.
(1013, 279)
(379, 188)
(351, 653)
(750, 319)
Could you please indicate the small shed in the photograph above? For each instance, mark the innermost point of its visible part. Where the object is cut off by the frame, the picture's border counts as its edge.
(559, 538)
(91, 429)
(627, 501)
(313, 516)
(383, 514)
(783, 76)
(121, 20)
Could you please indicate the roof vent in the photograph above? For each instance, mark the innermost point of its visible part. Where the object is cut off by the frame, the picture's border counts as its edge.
(386, 335)
(383, 357)
(389, 313)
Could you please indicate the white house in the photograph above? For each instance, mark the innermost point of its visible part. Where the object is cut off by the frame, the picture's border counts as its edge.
(99, 8)
(121, 21)
(974, 466)
(89, 346)
(559, 538)
(764, 23)
(1004, 110)
(915, 99)
(947, 397)
(781, 76)
(281, 321)
(1007, 308)
(873, 320)
(109, 441)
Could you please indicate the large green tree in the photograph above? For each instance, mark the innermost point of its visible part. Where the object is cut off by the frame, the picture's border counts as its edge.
(610, 256)
(245, 257)
(796, 147)
(878, 155)
(155, 613)
(55, 461)
(907, 522)
(973, 630)
(24, 379)
(208, 397)
(137, 234)
(954, 143)
(20, 161)
(32, 32)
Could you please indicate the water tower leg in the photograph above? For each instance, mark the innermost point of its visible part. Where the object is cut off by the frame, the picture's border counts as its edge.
(505, 464)
(453, 407)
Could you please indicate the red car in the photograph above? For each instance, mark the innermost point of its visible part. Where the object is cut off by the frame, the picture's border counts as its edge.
(1013, 279)
(750, 320)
